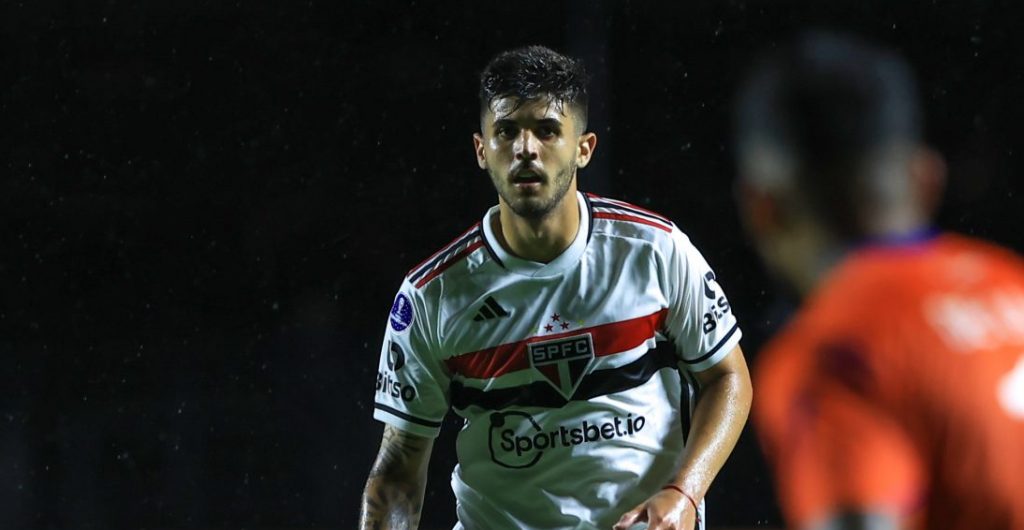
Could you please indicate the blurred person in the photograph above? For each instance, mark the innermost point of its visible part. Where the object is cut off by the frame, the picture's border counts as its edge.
(539, 326)
(894, 398)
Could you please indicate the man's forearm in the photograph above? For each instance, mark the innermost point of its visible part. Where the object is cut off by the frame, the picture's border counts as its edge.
(393, 497)
(390, 504)
(718, 420)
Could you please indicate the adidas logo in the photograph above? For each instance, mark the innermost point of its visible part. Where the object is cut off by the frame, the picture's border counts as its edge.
(490, 309)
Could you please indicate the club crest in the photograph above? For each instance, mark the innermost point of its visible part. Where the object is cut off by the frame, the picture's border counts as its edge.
(563, 361)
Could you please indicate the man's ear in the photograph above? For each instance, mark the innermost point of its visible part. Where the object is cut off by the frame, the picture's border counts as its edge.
(478, 147)
(585, 149)
(761, 210)
(928, 178)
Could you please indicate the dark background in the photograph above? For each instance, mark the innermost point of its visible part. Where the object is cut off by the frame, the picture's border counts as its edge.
(207, 209)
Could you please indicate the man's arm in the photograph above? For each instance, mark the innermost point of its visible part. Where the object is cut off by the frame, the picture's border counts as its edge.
(393, 496)
(857, 467)
(718, 420)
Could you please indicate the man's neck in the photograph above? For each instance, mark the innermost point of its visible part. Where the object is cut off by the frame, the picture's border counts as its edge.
(828, 251)
(540, 240)
(818, 264)
(805, 254)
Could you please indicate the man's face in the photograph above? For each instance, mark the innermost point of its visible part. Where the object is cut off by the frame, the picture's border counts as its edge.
(531, 153)
(770, 213)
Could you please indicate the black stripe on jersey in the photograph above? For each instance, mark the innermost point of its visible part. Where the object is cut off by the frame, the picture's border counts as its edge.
(407, 417)
(590, 212)
(714, 350)
(444, 256)
(634, 211)
(542, 394)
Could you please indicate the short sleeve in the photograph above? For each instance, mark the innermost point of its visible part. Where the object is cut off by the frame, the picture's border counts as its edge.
(833, 449)
(700, 320)
(412, 386)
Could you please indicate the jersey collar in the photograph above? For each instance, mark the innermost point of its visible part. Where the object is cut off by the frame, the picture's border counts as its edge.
(565, 261)
(909, 240)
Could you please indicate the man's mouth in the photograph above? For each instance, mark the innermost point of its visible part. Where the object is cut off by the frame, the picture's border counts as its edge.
(527, 180)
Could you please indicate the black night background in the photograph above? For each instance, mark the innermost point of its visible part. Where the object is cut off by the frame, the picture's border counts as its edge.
(208, 207)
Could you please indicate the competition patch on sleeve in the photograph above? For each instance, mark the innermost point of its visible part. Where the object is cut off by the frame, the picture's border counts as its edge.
(401, 313)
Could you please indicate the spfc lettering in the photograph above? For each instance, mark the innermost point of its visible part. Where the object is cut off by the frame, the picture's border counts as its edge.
(563, 362)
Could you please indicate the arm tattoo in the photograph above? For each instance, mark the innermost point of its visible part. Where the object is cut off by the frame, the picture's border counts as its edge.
(398, 452)
(393, 497)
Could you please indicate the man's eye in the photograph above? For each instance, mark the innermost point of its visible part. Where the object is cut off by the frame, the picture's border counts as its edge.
(506, 132)
(546, 132)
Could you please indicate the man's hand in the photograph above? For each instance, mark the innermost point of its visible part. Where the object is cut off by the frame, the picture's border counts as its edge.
(718, 419)
(667, 510)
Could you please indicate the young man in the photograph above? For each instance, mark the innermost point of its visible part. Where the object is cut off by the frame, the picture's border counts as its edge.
(539, 325)
(895, 397)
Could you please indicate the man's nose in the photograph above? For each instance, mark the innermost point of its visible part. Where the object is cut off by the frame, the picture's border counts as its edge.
(527, 145)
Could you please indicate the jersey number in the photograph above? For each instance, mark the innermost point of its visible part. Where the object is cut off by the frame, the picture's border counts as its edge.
(1011, 390)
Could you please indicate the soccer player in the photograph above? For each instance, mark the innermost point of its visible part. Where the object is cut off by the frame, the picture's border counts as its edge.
(540, 326)
(894, 398)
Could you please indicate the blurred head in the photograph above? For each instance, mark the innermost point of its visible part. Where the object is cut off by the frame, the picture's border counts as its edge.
(828, 135)
(533, 118)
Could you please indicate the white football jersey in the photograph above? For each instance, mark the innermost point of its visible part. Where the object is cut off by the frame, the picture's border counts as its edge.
(572, 411)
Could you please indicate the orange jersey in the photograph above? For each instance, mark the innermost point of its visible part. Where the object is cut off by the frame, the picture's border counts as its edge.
(900, 386)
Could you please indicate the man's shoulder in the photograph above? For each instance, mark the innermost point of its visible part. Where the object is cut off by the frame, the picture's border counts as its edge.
(1000, 263)
(841, 335)
(615, 218)
(447, 257)
(612, 214)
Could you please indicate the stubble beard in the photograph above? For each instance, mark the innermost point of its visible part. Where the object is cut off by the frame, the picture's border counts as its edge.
(535, 207)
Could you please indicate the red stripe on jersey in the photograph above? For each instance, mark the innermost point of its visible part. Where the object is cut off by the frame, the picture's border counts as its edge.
(444, 248)
(630, 218)
(451, 261)
(609, 339)
(629, 205)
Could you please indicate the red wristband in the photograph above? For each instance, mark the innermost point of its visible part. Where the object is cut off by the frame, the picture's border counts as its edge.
(683, 493)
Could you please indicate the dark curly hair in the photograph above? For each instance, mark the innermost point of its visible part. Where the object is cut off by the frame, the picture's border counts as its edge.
(536, 72)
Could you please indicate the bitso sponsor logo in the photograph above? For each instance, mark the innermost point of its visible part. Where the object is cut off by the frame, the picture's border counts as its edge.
(396, 356)
(718, 308)
(517, 441)
(390, 386)
(387, 383)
